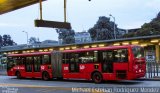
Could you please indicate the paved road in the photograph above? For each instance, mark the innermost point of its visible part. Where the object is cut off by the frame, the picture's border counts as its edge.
(13, 85)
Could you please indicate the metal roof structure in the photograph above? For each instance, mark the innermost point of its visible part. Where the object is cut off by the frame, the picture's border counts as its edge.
(11, 5)
(20, 48)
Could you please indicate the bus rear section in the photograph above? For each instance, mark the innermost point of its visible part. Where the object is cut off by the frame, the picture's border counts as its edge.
(109, 63)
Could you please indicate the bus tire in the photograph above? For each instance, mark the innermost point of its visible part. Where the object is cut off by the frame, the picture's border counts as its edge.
(18, 74)
(97, 77)
(59, 78)
(45, 76)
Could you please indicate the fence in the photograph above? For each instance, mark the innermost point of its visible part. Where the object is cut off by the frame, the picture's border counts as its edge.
(152, 69)
(3, 66)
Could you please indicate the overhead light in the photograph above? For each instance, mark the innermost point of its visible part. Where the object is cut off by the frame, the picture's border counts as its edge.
(135, 42)
(94, 46)
(45, 50)
(61, 49)
(24, 51)
(40, 50)
(28, 51)
(101, 45)
(74, 47)
(143, 45)
(86, 46)
(155, 41)
(32, 51)
(4, 53)
(67, 48)
(9, 53)
(116, 44)
(16, 52)
(51, 49)
(125, 43)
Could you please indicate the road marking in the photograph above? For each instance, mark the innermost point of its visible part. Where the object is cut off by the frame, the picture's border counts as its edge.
(50, 88)
(24, 85)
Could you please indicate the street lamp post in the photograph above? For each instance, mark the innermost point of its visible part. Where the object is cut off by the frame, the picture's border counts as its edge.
(27, 36)
(114, 25)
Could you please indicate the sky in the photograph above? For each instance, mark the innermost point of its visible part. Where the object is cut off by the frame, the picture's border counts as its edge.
(82, 15)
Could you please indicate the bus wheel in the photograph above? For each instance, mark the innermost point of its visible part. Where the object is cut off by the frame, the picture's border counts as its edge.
(60, 78)
(97, 77)
(18, 74)
(45, 76)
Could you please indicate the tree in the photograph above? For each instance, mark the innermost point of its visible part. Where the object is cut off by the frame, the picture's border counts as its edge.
(7, 41)
(33, 40)
(103, 29)
(147, 29)
(66, 35)
(1, 41)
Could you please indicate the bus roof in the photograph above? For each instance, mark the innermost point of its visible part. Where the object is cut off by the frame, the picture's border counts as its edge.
(29, 54)
(76, 50)
(100, 48)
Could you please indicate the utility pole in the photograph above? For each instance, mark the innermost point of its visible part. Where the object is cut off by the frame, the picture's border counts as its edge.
(27, 36)
(114, 25)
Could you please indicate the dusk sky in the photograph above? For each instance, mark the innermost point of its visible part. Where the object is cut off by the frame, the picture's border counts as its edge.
(82, 15)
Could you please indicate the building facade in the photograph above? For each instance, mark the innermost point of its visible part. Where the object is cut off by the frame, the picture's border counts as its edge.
(82, 37)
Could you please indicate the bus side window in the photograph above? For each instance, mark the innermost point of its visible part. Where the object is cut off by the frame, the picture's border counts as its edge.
(19, 60)
(64, 58)
(46, 59)
(121, 55)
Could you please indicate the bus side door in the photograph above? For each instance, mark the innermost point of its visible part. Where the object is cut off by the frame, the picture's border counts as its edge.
(29, 67)
(37, 66)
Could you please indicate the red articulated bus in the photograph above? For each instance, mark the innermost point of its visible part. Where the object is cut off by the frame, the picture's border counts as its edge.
(97, 64)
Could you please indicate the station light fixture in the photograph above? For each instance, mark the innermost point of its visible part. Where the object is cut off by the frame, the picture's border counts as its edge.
(135, 42)
(16, 52)
(74, 47)
(143, 45)
(23, 51)
(28, 51)
(51, 49)
(154, 41)
(67, 48)
(45, 50)
(4, 53)
(101, 45)
(125, 43)
(61, 49)
(94, 46)
(116, 44)
(9, 53)
(86, 46)
(40, 50)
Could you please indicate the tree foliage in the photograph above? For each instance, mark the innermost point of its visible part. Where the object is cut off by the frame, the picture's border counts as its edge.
(151, 28)
(103, 29)
(66, 35)
(6, 40)
(33, 40)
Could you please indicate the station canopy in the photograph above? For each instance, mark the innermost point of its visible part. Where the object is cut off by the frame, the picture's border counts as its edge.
(11, 5)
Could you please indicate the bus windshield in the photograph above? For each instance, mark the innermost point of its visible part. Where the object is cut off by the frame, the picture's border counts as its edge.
(138, 52)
